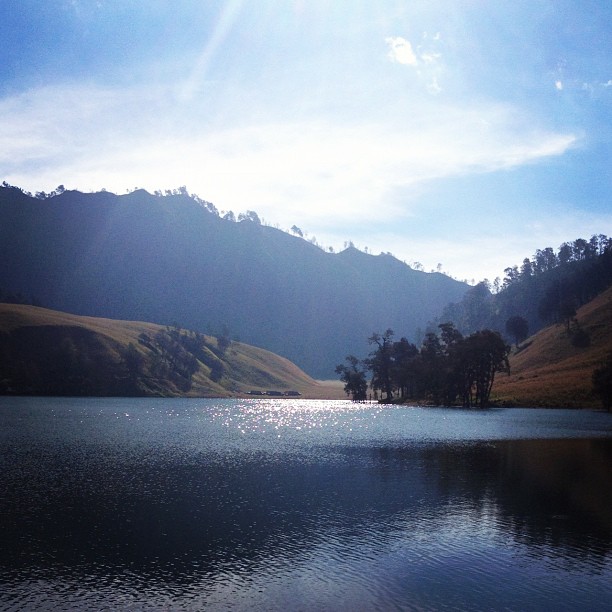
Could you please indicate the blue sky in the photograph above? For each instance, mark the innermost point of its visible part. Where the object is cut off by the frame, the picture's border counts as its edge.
(467, 133)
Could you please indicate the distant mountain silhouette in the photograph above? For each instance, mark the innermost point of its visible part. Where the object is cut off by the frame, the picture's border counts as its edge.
(171, 260)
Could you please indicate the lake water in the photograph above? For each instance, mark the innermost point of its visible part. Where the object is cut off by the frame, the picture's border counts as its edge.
(156, 504)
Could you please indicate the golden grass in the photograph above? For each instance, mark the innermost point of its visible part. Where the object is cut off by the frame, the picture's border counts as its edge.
(124, 332)
(549, 371)
(246, 367)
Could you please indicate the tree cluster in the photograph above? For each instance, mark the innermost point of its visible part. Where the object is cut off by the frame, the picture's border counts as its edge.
(176, 353)
(546, 289)
(448, 369)
(546, 259)
(39, 195)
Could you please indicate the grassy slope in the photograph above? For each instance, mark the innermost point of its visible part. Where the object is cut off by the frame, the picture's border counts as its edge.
(246, 367)
(548, 371)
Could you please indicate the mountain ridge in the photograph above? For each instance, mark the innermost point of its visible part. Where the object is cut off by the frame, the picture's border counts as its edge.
(169, 259)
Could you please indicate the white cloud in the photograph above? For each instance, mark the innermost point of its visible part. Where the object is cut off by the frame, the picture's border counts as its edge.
(400, 51)
(74, 131)
(427, 61)
(597, 85)
(559, 85)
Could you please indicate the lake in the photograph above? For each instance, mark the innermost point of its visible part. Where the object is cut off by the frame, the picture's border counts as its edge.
(263, 504)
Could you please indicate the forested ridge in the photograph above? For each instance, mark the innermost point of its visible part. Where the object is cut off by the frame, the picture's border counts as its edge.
(464, 350)
(547, 288)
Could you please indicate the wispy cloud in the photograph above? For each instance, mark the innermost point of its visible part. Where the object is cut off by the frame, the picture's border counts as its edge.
(426, 60)
(319, 171)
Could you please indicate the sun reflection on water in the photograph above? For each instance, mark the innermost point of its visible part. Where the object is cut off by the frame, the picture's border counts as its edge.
(280, 415)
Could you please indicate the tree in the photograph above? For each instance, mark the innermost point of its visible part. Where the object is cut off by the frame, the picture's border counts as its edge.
(580, 248)
(567, 312)
(432, 359)
(511, 275)
(297, 231)
(353, 375)
(449, 371)
(404, 369)
(566, 253)
(518, 327)
(475, 309)
(250, 215)
(217, 369)
(439, 374)
(449, 335)
(381, 361)
(479, 357)
(544, 260)
(602, 383)
(526, 268)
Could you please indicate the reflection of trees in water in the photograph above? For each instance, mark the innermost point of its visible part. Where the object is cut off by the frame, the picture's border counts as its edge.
(176, 517)
(545, 493)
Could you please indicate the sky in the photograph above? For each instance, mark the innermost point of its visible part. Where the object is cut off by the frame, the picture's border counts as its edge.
(460, 134)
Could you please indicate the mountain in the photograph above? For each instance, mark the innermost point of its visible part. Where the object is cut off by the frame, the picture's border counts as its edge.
(551, 369)
(45, 352)
(172, 259)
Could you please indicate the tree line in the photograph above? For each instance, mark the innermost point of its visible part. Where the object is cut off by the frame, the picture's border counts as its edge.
(546, 259)
(448, 369)
(249, 216)
(546, 289)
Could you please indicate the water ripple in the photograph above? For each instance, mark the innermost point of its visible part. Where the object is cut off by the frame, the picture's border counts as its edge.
(276, 505)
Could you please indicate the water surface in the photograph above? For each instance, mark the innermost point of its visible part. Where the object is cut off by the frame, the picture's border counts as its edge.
(302, 505)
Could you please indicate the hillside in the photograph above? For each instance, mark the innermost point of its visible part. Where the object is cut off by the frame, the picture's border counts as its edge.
(45, 352)
(172, 259)
(543, 291)
(548, 370)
